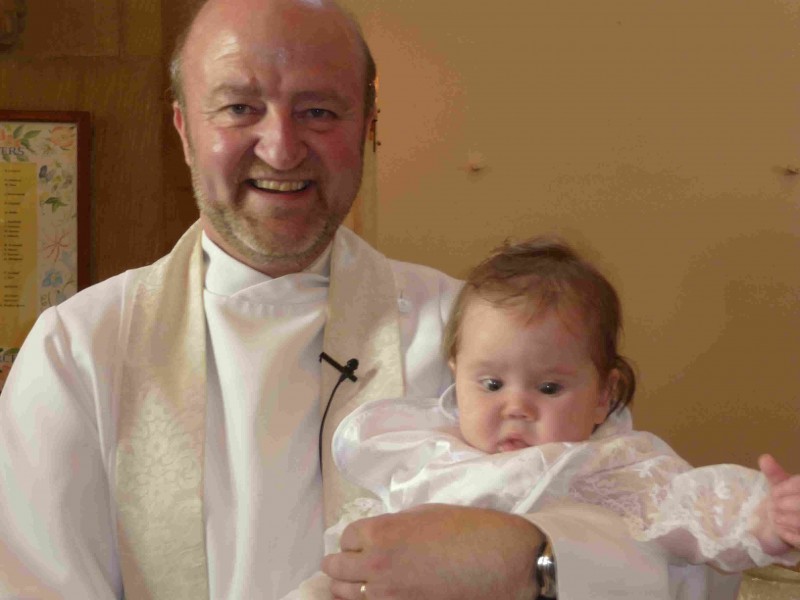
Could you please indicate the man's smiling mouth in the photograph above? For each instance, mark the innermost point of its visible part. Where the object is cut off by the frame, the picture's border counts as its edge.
(272, 185)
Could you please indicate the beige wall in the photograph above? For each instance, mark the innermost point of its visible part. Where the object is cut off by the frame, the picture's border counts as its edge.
(652, 135)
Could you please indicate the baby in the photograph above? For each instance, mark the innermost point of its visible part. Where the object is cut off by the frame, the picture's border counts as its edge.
(538, 413)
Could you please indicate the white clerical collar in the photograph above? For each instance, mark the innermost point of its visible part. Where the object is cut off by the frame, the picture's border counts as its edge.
(225, 276)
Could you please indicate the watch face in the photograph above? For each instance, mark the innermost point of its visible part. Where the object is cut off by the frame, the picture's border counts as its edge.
(546, 572)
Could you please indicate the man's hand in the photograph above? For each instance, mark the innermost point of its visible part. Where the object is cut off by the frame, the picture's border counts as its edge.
(437, 552)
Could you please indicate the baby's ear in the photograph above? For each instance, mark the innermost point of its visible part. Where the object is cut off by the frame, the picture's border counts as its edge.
(604, 397)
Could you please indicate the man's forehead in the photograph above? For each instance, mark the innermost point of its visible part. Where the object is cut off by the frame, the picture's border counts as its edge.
(278, 73)
(235, 63)
(276, 35)
(228, 46)
(263, 13)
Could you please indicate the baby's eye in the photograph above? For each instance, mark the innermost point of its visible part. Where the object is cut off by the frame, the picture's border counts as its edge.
(550, 388)
(491, 385)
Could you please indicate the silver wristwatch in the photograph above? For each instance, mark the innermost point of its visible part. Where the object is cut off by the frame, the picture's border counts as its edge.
(545, 572)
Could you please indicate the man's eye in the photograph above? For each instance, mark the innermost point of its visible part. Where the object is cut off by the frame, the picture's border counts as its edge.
(550, 388)
(318, 113)
(239, 109)
(491, 385)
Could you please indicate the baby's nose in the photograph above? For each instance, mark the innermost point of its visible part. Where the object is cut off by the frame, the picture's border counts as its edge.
(520, 406)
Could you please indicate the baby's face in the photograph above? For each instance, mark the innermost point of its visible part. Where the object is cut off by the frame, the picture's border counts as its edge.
(524, 383)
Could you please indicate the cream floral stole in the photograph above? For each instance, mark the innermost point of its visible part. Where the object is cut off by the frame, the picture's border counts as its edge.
(161, 425)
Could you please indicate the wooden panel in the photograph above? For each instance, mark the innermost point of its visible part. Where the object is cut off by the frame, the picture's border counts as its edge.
(127, 104)
(71, 28)
(141, 28)
(38, 84)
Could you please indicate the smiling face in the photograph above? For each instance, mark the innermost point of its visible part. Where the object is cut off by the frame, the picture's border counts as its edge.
(273, 126)
(522, 382)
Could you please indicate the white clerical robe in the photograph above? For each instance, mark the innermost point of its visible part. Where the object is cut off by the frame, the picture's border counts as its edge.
(60, 420)
(261, 429)
(105, 426)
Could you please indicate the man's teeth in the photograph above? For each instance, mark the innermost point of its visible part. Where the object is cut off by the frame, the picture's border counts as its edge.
(279, 186)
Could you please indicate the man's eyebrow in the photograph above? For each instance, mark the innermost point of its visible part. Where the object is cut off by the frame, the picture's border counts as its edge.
(321, 96)
(233, 89)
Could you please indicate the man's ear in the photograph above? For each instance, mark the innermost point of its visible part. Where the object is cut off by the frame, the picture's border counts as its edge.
(605, 396)
(179, 120)
(371, 130)
(452, 363)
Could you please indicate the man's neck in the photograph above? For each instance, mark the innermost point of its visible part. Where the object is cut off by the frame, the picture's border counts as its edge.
(272, 267)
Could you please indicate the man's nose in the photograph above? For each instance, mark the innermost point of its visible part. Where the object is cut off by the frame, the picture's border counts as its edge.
(520, 405)
(280, 142)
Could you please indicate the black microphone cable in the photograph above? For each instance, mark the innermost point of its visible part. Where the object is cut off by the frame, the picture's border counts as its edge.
(347, 372)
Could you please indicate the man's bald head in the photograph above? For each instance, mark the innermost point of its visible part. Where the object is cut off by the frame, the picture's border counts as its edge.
(177, 61)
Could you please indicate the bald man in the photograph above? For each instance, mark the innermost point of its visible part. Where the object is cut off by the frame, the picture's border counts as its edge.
(160, 432)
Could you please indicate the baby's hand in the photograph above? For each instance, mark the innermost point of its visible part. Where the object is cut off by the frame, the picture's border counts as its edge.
(780, 529)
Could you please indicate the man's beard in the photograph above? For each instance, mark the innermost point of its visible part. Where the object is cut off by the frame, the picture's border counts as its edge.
(257, 245)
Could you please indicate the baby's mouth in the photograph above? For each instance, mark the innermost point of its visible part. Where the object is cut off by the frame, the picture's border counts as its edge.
(511, 444)
(274, 185)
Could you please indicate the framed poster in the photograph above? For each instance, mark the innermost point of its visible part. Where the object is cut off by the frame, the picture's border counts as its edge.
(44, 218)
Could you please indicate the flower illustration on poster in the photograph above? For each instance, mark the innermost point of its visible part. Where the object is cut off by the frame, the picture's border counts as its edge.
(57, 283)
(39, 163)
(62, 137)
(52, 147)
(15, 141)
(7, 356)
(57, 214)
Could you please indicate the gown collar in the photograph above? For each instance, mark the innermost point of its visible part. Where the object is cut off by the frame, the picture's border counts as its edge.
(226, 276)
